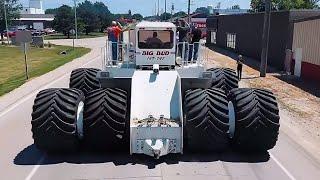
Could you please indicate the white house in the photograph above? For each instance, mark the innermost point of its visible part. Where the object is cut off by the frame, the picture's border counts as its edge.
(34, 16)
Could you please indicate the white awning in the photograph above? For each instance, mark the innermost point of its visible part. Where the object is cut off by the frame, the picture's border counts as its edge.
(36, 19)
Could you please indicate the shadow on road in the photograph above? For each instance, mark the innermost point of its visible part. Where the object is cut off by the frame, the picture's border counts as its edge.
(251, 62)
(31, 156)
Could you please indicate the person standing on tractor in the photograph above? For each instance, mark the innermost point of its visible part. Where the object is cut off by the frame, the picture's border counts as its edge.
(196, 37)
(113, 36)
(183, 30)
(239, 66)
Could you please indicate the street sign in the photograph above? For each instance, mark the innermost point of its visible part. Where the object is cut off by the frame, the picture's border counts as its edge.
(73, 32)
(23, 37)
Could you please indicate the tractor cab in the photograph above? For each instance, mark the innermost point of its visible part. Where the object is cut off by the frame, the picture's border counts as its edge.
(155, 43)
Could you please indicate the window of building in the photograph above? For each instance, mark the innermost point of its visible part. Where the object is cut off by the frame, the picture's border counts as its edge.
(231, 40)
(214, 37)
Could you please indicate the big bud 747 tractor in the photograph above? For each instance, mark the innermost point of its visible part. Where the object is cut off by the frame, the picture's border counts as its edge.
(154, 102)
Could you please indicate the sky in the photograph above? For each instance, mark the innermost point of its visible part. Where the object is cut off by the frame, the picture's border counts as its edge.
(146, 7)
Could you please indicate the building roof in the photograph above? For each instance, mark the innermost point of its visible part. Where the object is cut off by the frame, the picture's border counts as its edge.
(149, 24)
(307, 19)
(293, 15)
(36, 17)
(296, 15)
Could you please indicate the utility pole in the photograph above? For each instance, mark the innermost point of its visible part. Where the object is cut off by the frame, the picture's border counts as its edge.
(158, 8)
(265, 39)
(165, 9)
(189, 6)
(6, 21)
(75, 18)
(172, 9)
(155, 9)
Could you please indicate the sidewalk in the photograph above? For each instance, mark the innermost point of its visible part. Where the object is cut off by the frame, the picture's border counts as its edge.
(298, 99)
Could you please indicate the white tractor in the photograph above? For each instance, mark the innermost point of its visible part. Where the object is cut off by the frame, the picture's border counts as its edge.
(154, 98)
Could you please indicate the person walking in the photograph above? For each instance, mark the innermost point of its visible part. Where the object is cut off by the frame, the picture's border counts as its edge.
(239, 66)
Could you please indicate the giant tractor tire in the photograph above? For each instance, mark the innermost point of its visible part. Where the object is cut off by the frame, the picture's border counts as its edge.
(226, 79)
(207, 121)
(105, 118)
(84, 79)
(257, 119)
(57, 119)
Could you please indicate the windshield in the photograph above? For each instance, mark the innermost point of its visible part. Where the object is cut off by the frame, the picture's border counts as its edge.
(149, 39)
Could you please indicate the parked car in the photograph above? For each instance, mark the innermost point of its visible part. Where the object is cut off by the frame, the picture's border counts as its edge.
(35, 32)
(11, 32)
(49, 31)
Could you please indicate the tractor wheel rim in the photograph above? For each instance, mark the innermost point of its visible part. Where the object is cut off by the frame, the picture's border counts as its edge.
(80, 119)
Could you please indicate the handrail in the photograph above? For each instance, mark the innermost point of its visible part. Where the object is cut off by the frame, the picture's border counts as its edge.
(119, 53)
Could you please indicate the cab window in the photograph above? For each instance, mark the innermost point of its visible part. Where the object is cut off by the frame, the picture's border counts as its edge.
(149, 39)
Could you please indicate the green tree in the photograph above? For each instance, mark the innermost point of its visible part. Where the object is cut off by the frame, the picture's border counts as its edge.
(235, 6)
(104, 15)
(13, 8)
(87, 15)
(138, 17)
(180, 14)
(259, 5)
(165, 16)
(51, 11)
(64, 20)
(203, 10)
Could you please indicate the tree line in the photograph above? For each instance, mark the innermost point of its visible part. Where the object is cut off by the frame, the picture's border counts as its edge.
(277, 5)
(90, 17)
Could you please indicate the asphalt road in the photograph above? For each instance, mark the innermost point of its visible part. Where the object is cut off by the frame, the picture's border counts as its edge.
(19, 159)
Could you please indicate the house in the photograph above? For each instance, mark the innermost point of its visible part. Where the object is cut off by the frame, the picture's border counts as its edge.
(306, 42)
(289, 31)
(34, 17)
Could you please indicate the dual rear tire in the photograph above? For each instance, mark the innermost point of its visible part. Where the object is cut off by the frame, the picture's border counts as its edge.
(57, 119)
(209, 126)
(61, 118)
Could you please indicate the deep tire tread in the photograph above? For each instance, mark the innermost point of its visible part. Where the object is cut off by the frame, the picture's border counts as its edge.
(226, 79)
(207, 121)
(84, 79)
(257, 119)
(105, 119)
(54, 119)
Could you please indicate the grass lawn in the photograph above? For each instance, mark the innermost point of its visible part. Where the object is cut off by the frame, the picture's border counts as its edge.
(40, 61)
(80, 36)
